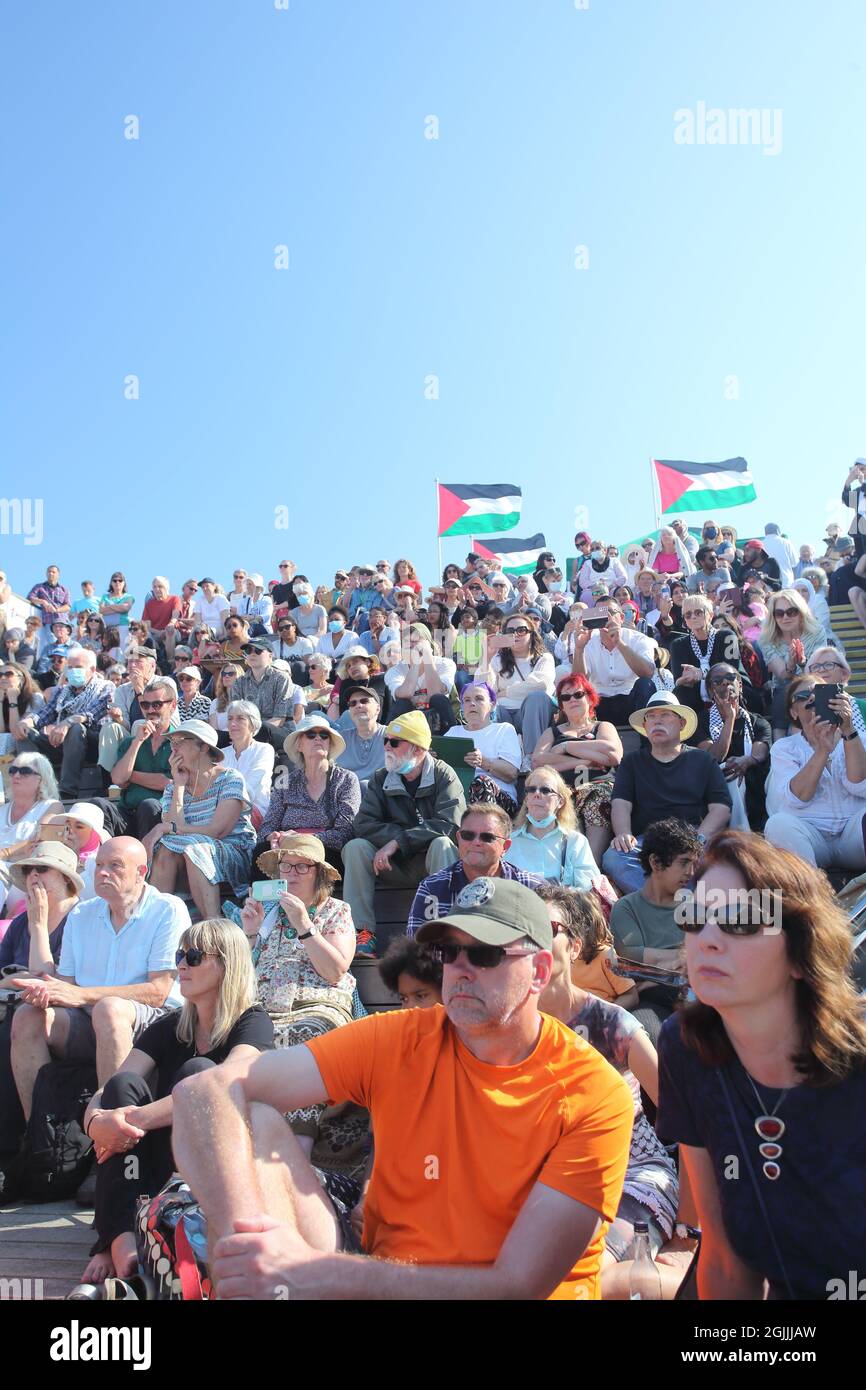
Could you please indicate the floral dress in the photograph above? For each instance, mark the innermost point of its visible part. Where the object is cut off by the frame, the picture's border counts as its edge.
(300, 1003)
(228, 860)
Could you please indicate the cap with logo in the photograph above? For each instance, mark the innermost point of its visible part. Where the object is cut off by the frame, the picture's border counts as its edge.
(494, 911)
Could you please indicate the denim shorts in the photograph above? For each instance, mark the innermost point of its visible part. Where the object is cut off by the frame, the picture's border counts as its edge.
(81, 1043)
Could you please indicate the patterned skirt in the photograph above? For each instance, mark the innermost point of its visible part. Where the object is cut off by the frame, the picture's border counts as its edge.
(221, 861)
(592, 803)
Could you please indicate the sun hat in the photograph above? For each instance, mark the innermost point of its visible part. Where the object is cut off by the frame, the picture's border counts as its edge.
(664, 699)
(190, 671)
(357, 653)
(89, 814)
(350, 690)
(495, 911)
(307, 847)
(413, 727)
(256, 644)
(313, 721)
(51, 854)
(198, 729)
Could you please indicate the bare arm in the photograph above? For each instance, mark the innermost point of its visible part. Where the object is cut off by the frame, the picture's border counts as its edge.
(643, 1061)
(716, 818)
(721, 1273)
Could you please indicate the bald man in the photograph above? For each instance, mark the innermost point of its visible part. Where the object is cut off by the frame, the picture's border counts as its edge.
(117, 971)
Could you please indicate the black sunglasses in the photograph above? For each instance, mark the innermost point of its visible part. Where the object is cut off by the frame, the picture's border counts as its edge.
(485, 836)
(568, 695)
(193, 956)
(393, 742)
(516, 631)
(802, 696)
(153, 704)
(786, 612)
(480, 957)
(731, 923)
(317, 733)
(24, 771)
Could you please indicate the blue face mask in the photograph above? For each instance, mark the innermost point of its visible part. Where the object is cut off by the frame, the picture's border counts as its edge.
(76, 675)
(405, 768)
(597, 555)
(335, 625)
(542, 824)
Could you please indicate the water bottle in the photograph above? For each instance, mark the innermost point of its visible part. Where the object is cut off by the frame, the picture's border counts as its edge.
(644, 1281)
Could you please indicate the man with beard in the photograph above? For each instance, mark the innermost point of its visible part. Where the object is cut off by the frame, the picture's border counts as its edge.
(409, 813)
(501, 1137)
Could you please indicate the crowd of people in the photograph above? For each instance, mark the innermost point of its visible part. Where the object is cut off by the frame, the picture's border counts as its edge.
(208, 807)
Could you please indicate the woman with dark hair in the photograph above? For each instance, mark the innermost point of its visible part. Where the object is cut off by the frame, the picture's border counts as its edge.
(20, 698)
(583, 750)
(763, 1077)
(94, 630)
(218, 1022)
(521, 672)
(404, 575)
(116, 604)
(339, 637)
(452, 572)
(437, 617)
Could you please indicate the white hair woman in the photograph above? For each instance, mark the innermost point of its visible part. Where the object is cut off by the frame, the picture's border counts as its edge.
(669, 556)
(789, 636)
(819, 586)
(218, 1022)
(254, 761)
(317, 695)
(34, 795)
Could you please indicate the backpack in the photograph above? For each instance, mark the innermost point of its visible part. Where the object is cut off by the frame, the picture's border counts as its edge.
(171, 1244)
(55, 1155)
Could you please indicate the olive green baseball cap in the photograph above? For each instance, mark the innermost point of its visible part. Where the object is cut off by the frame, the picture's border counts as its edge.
(495, 911)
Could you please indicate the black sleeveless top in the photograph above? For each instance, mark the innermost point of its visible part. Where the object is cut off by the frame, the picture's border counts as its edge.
(595, 773)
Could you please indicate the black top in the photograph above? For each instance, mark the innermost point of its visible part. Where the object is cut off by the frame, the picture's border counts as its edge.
(594, 774)
(15, 946)
(816, 1207)
(284, 593)
(656, 790)
(159, 1041)
(761, 732)
(841, 580)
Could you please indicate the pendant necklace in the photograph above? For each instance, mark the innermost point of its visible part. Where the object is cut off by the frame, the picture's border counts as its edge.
(770, 1130)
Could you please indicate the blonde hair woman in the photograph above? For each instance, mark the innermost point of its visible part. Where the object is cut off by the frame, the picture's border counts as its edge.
(789, 636)
(545, 840)
(218, 1022)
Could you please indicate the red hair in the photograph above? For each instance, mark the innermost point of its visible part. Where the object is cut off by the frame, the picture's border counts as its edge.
(578, 682)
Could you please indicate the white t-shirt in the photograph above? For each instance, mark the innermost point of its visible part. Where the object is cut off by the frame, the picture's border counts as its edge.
(609, 672)
(494, 741)
(212, 614)
(525, 679)
(446, 670)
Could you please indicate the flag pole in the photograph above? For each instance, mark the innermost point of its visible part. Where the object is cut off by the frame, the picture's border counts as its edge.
(656, 498)
(438, 537)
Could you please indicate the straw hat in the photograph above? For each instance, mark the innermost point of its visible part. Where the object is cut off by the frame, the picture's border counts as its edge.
(308, 847)
(358, 653)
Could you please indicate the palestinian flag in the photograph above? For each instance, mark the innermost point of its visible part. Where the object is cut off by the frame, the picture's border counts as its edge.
(514, 556)
(699, 487)
(465, 508)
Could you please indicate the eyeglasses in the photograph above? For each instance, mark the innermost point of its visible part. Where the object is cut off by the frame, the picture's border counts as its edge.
(6, 675)
(802, 696)
(786, 612)
(485, 836)
(153, 704)
(17, 771)
(317, 733)
(239, 574)
(193, 956)
(541, 791)
(557, 927)
(481, 957)
(300, 869)
(568, 695)
(731, 923)
(283, 567)
(517, 631)
(817, 666)
(394, 742)
(362, 700)
(185, 680)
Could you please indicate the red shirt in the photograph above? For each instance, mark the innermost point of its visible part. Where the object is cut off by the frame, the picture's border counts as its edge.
(159, 612)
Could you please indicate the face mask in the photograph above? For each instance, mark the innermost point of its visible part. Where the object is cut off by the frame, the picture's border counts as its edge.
(304, 595)
(405, 768)
(335, 625)
(540, 824)
(597, 555)
(76, 675)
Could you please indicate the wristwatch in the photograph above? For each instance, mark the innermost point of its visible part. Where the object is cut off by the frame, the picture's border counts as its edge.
(846, 738)
(305, 935)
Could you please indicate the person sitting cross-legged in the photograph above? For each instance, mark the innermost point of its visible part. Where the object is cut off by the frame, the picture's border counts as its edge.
(484, 839)
(528, 1226)
(662, 778)
(142, 769)
(218, 1021)
(409, 812)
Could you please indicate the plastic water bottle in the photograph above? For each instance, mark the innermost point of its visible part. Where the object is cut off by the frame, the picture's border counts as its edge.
(644, 1281)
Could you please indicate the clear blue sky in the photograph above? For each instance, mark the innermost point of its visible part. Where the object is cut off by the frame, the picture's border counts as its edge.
(304, 388)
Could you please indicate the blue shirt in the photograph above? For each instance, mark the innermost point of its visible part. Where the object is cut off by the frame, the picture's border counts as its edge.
(436, 894)
(94, 954)
(562, 856)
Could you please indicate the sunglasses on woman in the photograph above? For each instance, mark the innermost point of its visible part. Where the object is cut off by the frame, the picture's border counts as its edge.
(317, 733)
(733, 923)
(786, 612)
(516, 631)
(18, 771)
(542, 791)
(193, 956)
(480, 957)
(802, 696)
(569, 695)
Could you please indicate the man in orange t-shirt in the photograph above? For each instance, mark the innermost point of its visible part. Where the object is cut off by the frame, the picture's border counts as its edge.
(501, 1137)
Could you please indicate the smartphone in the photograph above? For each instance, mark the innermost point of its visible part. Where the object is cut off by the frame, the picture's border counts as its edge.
(823, 694)
(595, 617)
(732, 594)
(665, 591)
(270, 889)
